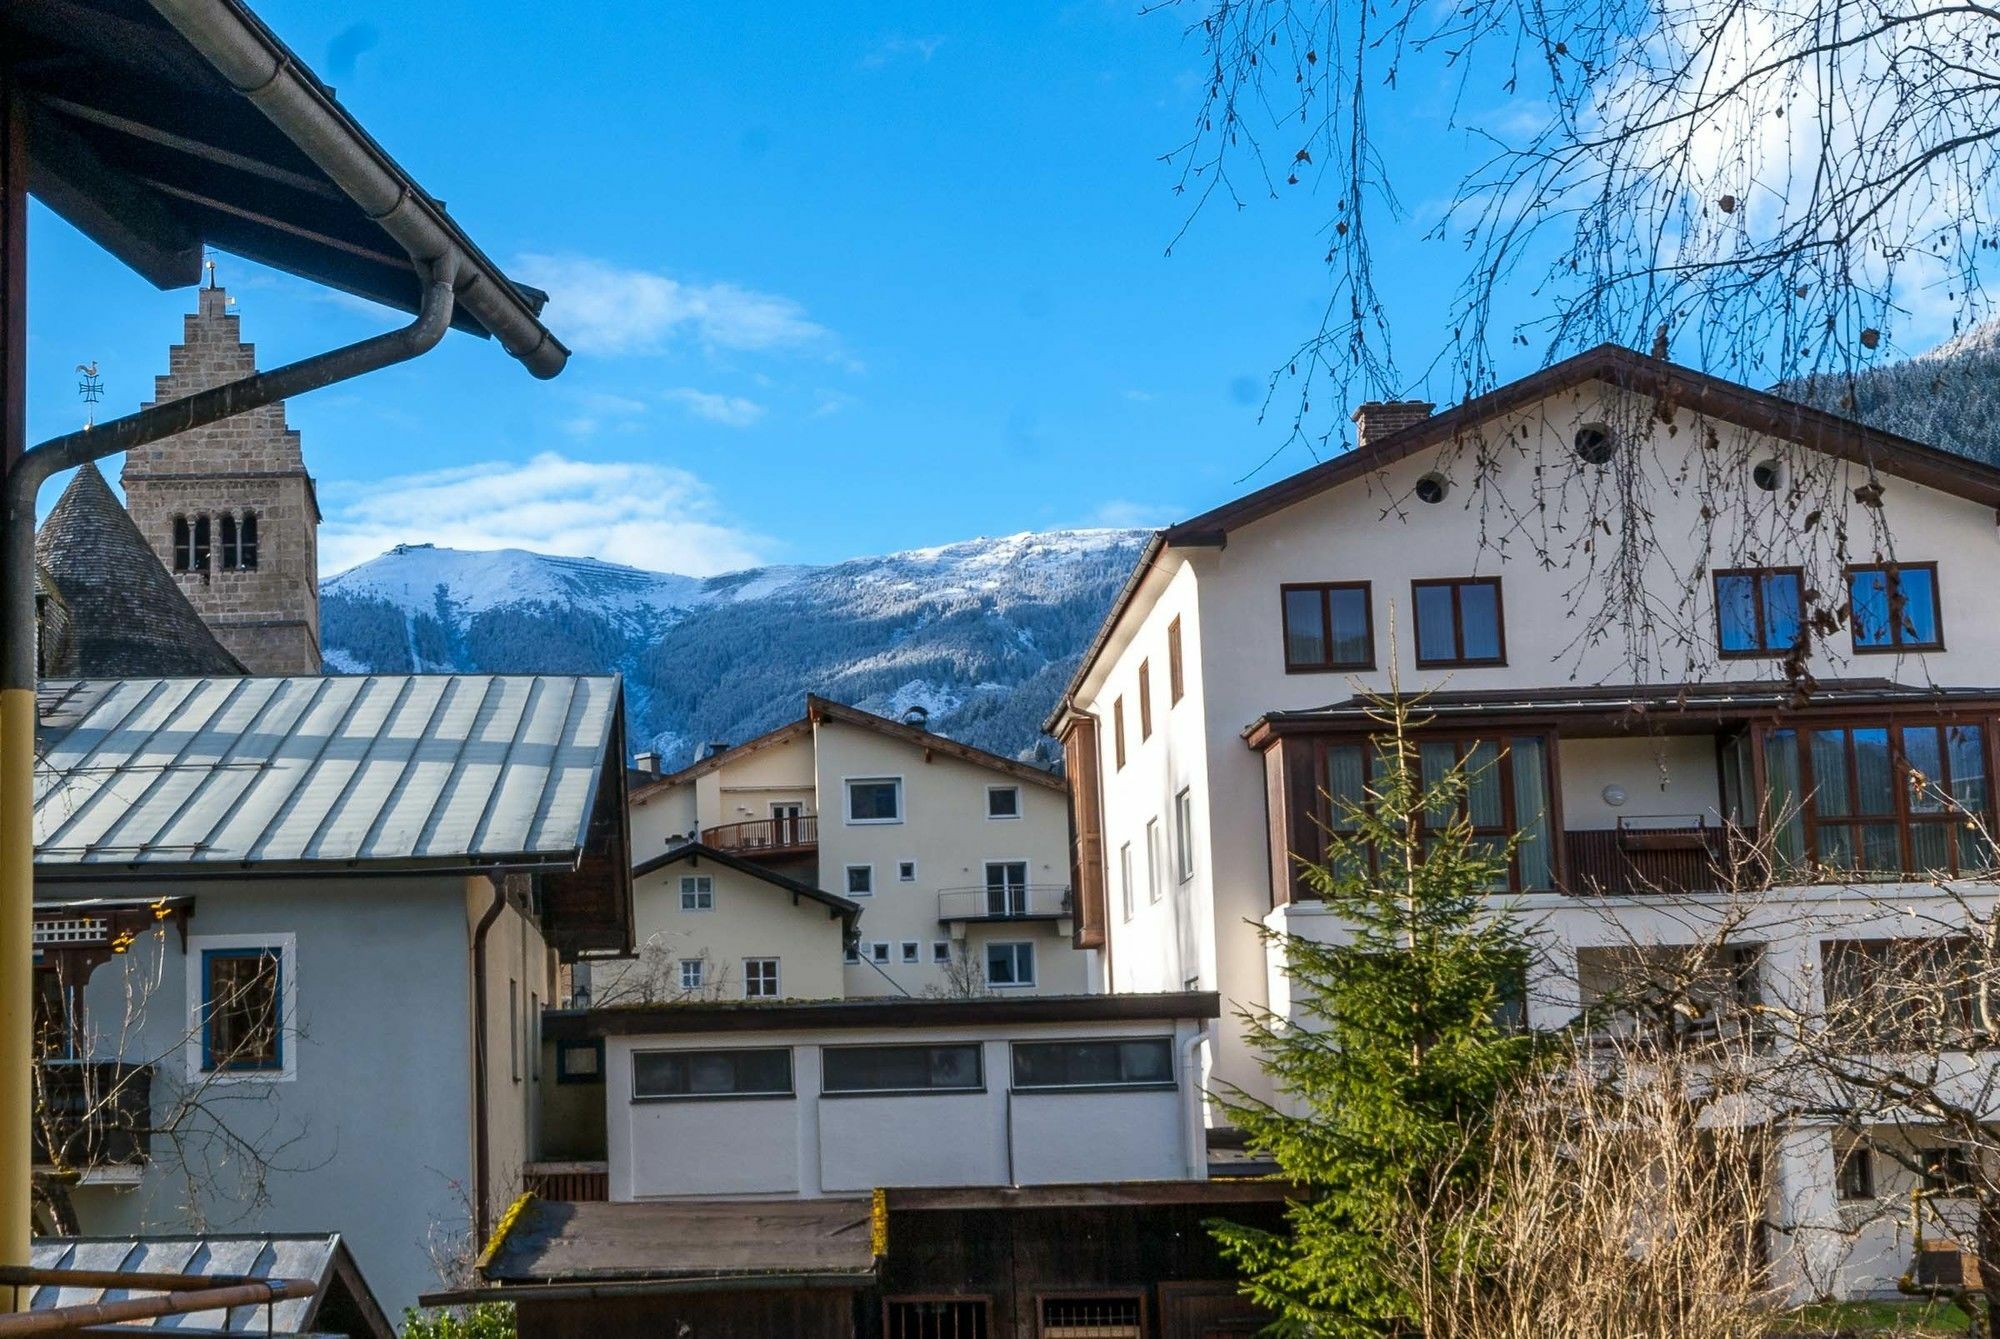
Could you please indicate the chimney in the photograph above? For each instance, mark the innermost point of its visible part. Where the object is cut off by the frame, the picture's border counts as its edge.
(713, 747)
(918, 716)
(1378, 418)
(647, 762)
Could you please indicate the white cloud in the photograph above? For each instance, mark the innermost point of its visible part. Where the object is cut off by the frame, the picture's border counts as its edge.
(598, 410)
(600, 308)
(634, 512)
(732, 411)
(1124, 514)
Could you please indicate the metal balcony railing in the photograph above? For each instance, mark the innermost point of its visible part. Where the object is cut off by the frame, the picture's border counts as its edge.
(766, 837)
(1013, 902)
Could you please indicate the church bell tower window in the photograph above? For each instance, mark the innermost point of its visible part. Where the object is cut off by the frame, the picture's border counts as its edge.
(247, 541)
(229, 563)
(190, 544)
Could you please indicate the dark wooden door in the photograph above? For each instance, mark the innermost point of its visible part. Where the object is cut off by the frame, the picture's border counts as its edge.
(1207, 1311)
(785, 824)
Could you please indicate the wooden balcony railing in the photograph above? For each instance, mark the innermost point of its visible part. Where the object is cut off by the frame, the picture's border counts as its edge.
(1020, 902)
(1624, 860)
(568, 1182)
(768, 838)
(92, 1113)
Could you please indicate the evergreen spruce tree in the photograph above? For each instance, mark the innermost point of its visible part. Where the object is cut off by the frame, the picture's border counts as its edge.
(1402, 1040)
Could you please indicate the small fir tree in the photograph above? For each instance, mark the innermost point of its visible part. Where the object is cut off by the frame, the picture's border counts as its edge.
(1402, 1041)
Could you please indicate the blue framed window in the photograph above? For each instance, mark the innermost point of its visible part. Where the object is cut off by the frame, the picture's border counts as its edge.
(242, 1009)
(1894, 607)
(1759, 611)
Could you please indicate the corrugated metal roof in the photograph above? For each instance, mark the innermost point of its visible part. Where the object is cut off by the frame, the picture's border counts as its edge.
(686, 1238)
(443, 769)
(318, 1258)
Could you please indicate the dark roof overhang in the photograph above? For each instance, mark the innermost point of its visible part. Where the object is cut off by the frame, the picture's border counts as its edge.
(156, 128)
(823, 1015)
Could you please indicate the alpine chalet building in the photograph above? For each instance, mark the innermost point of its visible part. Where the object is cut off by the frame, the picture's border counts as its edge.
(1655, 613)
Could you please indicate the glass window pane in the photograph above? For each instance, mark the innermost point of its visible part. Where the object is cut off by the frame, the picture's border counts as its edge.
(851, 1069)
(1149, 1061)
(1782, 602)
(1926, 780)
(1829, 773)
(1305, 628)
(1881, 850)
(1836, 846)
(1531, 812)
(1974, 852)
(873, 800)
(1350, 627)
(1782, 800)
(1479, 615)
(1345, 786)
(1967, 747)
(1928, 847)
(1919, 610)
(1736, 613)
(1868, 596)
(1482, 785)
(1874, 778)
(1434, 629)
(1435, 759)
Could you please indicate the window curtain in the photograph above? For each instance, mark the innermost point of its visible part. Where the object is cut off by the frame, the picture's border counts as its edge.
(1531, 812)
(1783, 796)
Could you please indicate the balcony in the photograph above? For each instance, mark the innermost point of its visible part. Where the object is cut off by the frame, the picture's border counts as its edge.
(92, 1113)
(1012, 902)
(1652, 857)
(767, 838)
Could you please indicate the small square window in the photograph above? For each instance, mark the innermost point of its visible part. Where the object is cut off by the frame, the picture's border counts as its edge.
(242, 1022)
(941, 952)
(1327, 626)
(697, 892)
(875, 800)
(1003, 801)
(1458, 622)
(878, 952)
(1010, 964)
(911, 950)
(852, 954)
(1759, 612)
(760, 978)
(907, 871)
(1895, 607)
(693, 972)
(580, 1061)
(860, 880)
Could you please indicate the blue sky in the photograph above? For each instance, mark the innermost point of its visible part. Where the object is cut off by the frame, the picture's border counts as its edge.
(839, 280)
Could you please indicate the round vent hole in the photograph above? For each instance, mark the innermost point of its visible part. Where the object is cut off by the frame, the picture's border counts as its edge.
(1432, 488)
(1594, 444)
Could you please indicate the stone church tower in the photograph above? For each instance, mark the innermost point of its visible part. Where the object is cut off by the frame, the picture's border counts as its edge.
(230, 509)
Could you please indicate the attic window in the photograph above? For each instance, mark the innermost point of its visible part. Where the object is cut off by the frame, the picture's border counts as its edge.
(1594, 444)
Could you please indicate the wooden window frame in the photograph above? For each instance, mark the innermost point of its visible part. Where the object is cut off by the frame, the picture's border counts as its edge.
(777, 991)
(984, 1301)
(1455, 585)
(1892, 573)
(1176, 678)
(1320, 805)
(1325, 589)
(1764, 650)
(1145, 700)
(1118, 733)
(1903, 817)
(1127, 1294)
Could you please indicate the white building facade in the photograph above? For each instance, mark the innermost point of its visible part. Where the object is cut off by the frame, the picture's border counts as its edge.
(956, 859)
(1652, 608)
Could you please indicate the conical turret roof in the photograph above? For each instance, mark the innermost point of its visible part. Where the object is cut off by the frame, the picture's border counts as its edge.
(129, 617)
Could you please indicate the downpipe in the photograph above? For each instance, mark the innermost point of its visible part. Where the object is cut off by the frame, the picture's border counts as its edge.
(482, 1137)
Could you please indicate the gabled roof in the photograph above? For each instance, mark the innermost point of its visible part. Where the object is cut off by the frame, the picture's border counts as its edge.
(696, 852)
(826, 709)
(127, 614)
(450, 771)
(1682, 387)
(343, 1305)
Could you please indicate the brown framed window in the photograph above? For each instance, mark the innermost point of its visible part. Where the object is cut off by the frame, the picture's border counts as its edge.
(1176, 684)
(1145, 701)
(1115, 1315)
(1759, 611)
(1118, 733)
(1507, 792)
(1328, 626)
(936, 1317)
(1878, 800)
(1459, 622)
(1894, 607)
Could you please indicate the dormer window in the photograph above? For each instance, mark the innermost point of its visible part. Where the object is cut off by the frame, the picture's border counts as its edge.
(190, 544)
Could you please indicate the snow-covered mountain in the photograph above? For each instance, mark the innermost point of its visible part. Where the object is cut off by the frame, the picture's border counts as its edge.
(1948, 396)
(983, 633)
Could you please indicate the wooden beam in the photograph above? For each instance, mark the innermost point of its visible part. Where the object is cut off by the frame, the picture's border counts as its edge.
(111, 207)
(196, 148)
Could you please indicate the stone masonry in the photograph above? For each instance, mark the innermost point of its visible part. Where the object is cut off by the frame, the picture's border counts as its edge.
(268, 616)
